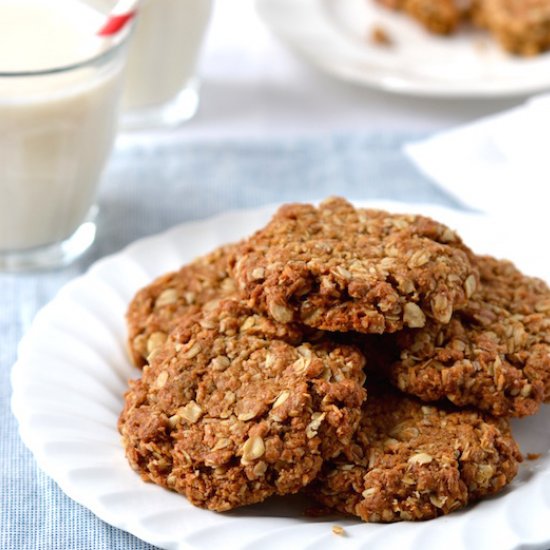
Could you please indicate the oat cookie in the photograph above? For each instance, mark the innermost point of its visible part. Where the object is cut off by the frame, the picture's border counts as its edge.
(521, 26)
(437, 16)
(155, 309)
(494, 354)
(338, 268)
(237, 407)
(411, 461)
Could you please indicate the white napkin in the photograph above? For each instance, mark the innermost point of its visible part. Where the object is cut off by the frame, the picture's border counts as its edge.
(498, 165)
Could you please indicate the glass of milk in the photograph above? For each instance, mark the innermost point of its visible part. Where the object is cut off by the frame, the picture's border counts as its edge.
(59, 91)
(161, 86)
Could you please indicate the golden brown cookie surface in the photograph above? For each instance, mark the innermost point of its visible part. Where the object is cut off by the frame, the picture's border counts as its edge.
(236, 407)
(338, 268)
(493, 355)
(412, 461)
(156, 308)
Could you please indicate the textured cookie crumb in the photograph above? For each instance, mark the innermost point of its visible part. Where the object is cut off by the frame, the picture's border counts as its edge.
(379, 36)
(533, 456)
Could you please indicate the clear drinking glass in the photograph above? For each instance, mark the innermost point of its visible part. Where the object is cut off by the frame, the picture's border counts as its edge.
(161, 84)
(57, 128)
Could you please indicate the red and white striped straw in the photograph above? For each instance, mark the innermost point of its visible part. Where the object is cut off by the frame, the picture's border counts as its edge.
(122, 13)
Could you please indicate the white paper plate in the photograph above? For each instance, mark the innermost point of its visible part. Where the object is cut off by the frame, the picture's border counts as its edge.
(67, 393)
(333, 35)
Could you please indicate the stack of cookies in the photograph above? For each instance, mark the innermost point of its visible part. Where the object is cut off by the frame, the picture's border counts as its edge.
(520, 26)
(369, 359)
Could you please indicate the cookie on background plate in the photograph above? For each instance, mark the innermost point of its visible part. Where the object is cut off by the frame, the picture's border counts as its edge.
(339, 268)
(493, 355)
(236, 407)
(412, 461)
(521, 26)
(156, 308)
(437, 16)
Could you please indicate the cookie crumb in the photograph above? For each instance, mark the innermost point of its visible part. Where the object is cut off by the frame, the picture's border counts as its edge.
(338, 530)
(380, 36)
(533, 456)
(481, 45)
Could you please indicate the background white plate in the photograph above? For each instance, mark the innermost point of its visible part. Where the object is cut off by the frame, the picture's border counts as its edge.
(334, 36)
(71, 374)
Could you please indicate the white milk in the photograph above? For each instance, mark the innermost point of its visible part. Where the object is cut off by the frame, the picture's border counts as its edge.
(56, 130)
(163, 50)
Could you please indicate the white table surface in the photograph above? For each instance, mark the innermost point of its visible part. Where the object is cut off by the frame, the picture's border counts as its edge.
(253, 86)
